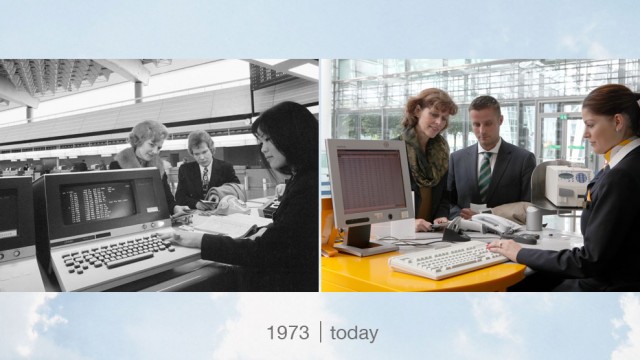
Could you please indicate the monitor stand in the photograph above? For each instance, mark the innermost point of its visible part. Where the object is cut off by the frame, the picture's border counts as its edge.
(357, 242)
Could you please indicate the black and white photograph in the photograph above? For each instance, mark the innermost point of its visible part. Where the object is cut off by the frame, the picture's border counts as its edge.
(158, 175)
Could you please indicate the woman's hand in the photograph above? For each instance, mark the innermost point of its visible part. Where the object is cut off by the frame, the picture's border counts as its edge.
(441, 220)
(180, 210)
(187, 238)
(423, 225)
(508, 248)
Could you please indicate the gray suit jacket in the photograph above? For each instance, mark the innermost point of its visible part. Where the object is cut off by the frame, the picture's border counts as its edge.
(510, 179)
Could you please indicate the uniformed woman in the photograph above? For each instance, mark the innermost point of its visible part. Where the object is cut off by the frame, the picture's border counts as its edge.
(608, 261)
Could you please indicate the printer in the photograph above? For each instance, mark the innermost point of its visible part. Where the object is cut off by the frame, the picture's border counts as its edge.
(566, 186)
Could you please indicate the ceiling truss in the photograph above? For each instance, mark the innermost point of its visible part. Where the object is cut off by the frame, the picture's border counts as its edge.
(24, 81)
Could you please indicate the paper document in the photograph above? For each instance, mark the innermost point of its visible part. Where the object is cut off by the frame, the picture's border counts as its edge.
(478, 208)
(234, 225)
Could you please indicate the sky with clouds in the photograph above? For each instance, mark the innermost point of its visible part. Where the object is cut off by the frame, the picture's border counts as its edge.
(325, 29)
(234, 326)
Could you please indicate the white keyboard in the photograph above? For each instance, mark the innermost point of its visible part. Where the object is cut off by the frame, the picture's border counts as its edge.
(437, 264)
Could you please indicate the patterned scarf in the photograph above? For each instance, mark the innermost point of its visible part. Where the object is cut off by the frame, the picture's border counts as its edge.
(426, 170)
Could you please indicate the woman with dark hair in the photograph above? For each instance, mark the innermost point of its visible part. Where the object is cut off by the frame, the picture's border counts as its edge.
(283, 256)
(608, 260)
(426, 117)
(146, 140)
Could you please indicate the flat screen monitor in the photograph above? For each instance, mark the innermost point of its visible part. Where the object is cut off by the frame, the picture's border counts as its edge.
(369, 184)
(80, 207)
(16, 217)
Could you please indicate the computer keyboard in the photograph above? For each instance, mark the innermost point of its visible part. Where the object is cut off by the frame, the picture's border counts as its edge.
(437, 264)
(116, 254)
(108, 263)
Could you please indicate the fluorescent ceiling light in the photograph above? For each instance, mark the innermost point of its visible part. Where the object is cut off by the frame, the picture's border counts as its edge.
(308, 70)
(271, 62)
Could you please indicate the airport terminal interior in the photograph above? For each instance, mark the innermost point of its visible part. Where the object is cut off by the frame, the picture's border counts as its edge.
(65, 114)
(63, 121)
(379, 241)
(72, 116)
(540, 100)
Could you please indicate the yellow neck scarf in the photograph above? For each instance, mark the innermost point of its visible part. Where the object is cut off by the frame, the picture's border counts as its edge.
(615, 149)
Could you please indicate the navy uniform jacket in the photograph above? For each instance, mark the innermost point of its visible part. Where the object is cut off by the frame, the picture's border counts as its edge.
(510, 178)
(189, 190)
(285, 257)
(608, 261)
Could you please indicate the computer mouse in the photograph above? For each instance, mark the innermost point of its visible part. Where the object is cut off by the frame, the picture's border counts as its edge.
(529, 239)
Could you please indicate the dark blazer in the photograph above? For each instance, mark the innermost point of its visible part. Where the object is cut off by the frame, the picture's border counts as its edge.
(608, 261)
(510, 178)
(285, 257)
(189, 190)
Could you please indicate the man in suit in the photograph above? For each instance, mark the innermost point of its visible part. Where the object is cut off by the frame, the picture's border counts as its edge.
(491, 172)
(196, 178)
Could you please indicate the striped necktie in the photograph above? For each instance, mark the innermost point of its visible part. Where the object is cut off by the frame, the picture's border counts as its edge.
(205, 180)
(484, 177)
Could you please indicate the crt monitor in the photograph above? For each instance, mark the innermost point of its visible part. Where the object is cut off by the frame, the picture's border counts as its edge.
(369, 184)
(17, 237)
(84, 206)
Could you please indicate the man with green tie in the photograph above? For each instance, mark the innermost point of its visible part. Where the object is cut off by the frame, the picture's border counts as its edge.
(491, 172)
